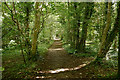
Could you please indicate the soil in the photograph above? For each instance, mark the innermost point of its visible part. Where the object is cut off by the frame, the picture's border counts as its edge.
(59, 64)
(55, 65)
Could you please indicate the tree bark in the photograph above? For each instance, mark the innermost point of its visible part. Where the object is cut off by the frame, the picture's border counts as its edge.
(88, 13)
(36, 29)
(104, 48)
(104, 36)
(77, 25)
(27, 41)
(68, 25)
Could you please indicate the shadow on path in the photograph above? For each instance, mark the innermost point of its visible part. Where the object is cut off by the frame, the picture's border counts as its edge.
(57, 60)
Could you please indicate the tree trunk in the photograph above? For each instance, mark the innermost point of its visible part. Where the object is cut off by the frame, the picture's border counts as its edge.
(77, 38)
(104, 48)
(106, 29)
(36, 29)
(88, 13)
(27, 41)
(68, 25)
(84, 35)
(77, 25)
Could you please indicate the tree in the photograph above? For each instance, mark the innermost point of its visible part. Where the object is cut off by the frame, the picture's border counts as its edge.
(107, 39)
(27, 21)
(104, 36)
(87, 16)
(36, 29)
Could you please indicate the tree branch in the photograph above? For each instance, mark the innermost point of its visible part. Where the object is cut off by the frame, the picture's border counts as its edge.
(16, 21)
(11, 12)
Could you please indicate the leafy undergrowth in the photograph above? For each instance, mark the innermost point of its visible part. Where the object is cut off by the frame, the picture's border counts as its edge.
(14, 67)
(89, 52)
(13, 63)
(102, 70)
(43, 48)
(105, 70)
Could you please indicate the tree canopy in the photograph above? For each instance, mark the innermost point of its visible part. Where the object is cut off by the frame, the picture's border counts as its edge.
(47, 37)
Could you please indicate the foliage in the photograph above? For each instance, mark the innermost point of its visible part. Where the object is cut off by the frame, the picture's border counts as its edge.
(87, 30)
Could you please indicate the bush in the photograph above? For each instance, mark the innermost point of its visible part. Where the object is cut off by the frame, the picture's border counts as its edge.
(43, 47)
(69, 49)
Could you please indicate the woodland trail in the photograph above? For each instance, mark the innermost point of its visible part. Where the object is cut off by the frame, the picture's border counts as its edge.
(59, 64)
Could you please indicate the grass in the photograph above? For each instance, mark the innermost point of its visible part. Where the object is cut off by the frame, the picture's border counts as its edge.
(89, 52)
(43, 48)
(93, 54)
(103, 71)
(107, 69)
(13, 65)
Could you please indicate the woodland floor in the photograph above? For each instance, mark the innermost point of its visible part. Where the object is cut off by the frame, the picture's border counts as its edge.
(57, 63)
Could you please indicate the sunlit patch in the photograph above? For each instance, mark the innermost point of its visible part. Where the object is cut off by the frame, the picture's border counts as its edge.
(87, 44)
(58, 70)
(43, 77)
(57, 49)
(63, 69)
(56, 38)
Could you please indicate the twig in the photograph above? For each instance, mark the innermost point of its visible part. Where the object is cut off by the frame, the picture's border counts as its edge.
(10, 11)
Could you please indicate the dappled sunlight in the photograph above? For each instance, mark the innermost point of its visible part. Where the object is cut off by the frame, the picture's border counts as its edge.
(59, 39)
(57, 49)
(43, 77)
(56, 38)
(63, 69)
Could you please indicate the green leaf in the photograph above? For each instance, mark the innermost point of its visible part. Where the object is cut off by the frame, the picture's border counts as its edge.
(2, 69)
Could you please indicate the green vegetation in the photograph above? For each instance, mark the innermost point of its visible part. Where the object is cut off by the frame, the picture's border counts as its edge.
(13, 62)
(60, 40)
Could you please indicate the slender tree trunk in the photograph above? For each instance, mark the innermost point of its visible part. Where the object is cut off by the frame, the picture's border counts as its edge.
(43, 22)
(84, 30)
(77, 38)
(104, 21)
(36, 29)
(23, 54)
(77, 32)
(84, 36)
(69, 29)
(104, 36)
(88, 13)
(73, 38)
(27, 41)
(77, 25)
(68, 25)
(104, 48)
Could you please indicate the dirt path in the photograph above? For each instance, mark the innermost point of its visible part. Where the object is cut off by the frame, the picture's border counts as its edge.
(57, 62)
